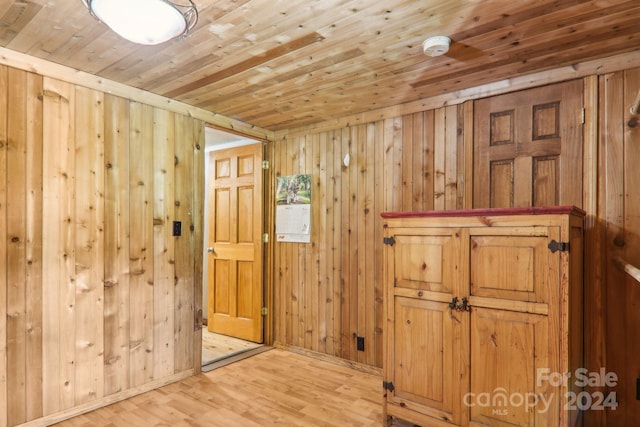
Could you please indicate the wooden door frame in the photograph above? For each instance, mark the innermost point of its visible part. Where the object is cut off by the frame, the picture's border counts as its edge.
(267, 252)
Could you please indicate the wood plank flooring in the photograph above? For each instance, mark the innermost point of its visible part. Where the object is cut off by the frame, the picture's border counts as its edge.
(276, 387)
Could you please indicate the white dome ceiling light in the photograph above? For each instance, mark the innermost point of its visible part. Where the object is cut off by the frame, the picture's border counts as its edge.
(146, 22)
(436, 46)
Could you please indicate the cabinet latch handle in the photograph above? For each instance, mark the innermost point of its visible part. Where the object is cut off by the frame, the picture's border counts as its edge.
(464, 306)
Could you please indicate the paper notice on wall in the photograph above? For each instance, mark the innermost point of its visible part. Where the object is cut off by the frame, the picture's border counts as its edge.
(293, 209)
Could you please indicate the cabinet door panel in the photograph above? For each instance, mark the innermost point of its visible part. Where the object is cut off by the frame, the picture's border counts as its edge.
(426, 262)
(512, 267)
(425, 357)
(509, 351)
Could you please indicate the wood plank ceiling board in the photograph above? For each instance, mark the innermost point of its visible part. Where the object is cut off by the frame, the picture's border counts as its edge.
(285, 64)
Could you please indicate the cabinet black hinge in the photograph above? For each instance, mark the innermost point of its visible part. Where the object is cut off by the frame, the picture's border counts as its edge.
(558, 246)
(389, 241)
(388, 385)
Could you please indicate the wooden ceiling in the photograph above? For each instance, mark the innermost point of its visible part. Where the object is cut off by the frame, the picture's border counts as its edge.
(280, 64)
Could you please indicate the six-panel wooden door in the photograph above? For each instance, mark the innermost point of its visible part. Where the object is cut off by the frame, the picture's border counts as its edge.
(528, 148)
(235, 243)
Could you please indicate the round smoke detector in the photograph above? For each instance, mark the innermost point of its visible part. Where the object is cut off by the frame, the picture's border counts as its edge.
(436, 46)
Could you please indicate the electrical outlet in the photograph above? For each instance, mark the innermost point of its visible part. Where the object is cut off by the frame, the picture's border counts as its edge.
(177, 228)
(360, 343)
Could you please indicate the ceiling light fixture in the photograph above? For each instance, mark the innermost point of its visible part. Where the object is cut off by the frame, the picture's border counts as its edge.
(145, 21)
(436, 46)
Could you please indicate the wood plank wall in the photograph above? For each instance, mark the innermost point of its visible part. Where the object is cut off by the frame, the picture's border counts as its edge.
(619, 229)
(100, 297)
(329, 292)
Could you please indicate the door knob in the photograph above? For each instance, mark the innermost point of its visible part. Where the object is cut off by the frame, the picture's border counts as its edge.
(211, 250)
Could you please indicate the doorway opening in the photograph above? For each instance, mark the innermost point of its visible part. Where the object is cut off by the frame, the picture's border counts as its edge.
(220, 347)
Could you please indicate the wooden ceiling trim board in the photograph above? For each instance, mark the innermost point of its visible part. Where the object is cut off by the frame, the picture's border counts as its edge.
(61, 72)
(269, 55)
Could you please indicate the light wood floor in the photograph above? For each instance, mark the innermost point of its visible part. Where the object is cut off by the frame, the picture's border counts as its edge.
(276, 387)
(217, 346)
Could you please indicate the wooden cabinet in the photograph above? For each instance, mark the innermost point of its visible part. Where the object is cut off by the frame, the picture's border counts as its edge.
(484, 316)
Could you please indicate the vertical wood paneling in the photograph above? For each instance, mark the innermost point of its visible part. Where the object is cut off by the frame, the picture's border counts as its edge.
(632, 246)
(334, 306)
(451, 158)
(594, 292)
(361, 239)
(465, 171)
(81, 173)
(313, 282)
(332, 287)
(612, 139)
(196, 240)
(345, 279)
(306, 269)
(184, 253)
(439, 160)
(369, 233)
(301, 250)
(34, 272)
(141, 243)
(418, 159)
(281, 294)
(3, 243)
(378, 267)
(324, 193)
(58, 246)
(292, 159)
(620, 209)
(17, 246)
(89, 245)
(429, 142)
(351, 282)
(116, 249)
(408, 145)
(163, 244)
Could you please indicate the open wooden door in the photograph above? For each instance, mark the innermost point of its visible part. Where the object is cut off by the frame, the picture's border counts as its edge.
(235, 242)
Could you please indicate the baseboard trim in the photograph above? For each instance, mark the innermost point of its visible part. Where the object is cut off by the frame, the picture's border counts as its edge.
(106, 401)
(373, 370)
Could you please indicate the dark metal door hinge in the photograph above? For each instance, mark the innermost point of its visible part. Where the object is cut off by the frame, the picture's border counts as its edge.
(558, 246)
(389, 241)
(388, 385)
